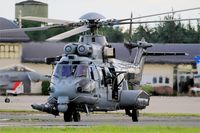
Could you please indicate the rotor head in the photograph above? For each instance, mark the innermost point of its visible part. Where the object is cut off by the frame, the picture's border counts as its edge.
(92, 16)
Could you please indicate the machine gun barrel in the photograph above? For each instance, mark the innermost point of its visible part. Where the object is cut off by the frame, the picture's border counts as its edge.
(45, 108)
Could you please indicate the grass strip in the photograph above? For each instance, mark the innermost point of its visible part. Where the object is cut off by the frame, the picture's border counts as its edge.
(105, 129)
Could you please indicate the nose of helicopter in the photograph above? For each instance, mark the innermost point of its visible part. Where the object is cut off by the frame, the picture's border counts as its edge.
(65, 87)
(72, 86)
(80, 90)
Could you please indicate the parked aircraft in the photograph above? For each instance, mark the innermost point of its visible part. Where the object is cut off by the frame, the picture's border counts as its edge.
(12, 78)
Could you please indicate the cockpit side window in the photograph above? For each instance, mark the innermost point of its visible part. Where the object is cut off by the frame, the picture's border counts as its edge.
(104, 77)
(91, 73)
(57, 70)
(96, 75)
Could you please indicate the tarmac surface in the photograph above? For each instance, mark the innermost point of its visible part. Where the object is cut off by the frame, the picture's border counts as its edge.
(186, 105)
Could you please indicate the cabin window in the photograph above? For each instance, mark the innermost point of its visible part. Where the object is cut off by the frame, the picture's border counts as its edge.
(104, 77)
(160, 79)
(154, 80)
(91, 73)
(167, 80)
(182, 78)
(94, 73)
(188, 78)
(82, 39)
(100, 76)
(93, 39)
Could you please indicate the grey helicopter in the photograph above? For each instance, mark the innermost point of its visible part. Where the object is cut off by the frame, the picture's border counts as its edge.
(88, 77)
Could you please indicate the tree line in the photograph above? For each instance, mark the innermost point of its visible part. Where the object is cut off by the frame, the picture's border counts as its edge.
(169, 32)
(165, 32)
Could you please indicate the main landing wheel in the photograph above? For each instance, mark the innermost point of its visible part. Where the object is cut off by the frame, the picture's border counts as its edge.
(135, 114)
(7, 100)
(68, 116)
(76, 116)
(71, 114)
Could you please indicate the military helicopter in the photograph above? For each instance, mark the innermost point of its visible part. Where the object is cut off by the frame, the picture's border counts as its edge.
(88, 78)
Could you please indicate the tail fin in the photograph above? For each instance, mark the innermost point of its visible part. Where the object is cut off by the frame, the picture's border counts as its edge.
(15, 85)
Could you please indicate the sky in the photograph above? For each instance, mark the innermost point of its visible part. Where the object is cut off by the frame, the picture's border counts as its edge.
(73, 9)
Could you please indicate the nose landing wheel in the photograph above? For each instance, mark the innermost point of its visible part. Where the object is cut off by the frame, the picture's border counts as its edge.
(7, 100)
(71, 115)
(68, 116)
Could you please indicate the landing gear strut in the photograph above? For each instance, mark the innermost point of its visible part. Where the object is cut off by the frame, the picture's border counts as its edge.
(68, 116)
(76, 116)
(72, 114)
(134, 114)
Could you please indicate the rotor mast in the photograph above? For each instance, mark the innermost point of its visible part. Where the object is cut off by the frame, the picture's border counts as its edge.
(93, 21)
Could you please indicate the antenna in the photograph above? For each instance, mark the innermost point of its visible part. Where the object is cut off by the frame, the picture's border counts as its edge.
(130, 28)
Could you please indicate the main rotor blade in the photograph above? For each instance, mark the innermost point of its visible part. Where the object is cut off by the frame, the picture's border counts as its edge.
(157, 21)
(26, 29)
(69, 33)
(47, 20)
(166, 54)
(159, 14)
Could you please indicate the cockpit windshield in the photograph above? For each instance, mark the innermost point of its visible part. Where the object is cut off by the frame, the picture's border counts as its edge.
(81, 70)
(67, 70)
(63, 70)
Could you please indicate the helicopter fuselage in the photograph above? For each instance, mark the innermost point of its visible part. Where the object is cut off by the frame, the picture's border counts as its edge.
(100, 87)
(87, 78)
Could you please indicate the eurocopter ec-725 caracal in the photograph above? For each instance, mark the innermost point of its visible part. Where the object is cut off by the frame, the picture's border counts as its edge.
(88, 78)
